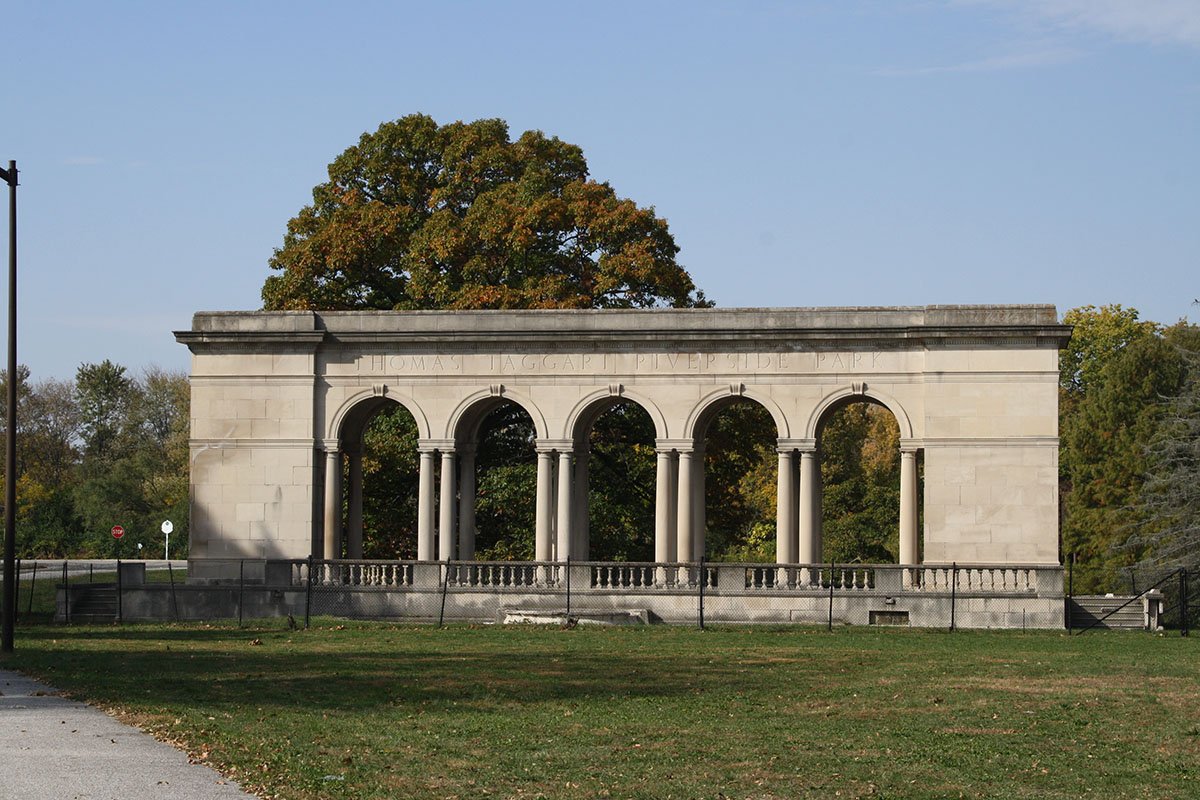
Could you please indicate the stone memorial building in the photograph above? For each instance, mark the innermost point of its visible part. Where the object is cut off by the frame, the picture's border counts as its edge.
(280, 401)
(279, 398)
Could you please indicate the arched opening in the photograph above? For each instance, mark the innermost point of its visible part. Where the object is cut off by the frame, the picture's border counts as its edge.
(379, 476)
(495, 441)
(738, 439)
(614, 482)
(861, 482)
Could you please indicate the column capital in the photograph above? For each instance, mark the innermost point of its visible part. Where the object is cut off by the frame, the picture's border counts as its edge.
(445, 445)
(795, 444)
(911, 445)
(552, 445)
(330, 446)
(674, 444)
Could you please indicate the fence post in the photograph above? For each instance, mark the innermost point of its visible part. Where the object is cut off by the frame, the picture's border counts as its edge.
(120, 595)
(1183, 602)
(32, 586)
(241, 587)
(830, 626)
(174, 599)
(445, 587)
(66, 595)
(1070, 591)
(17, 593)
(702, 576)
(568, 568)
(308, 578)
(953, 591)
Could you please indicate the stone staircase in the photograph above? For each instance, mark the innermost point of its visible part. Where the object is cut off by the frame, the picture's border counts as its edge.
(94, 602)
(1086, 610)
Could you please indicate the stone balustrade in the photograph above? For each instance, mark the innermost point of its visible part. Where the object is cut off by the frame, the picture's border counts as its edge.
(967, 579)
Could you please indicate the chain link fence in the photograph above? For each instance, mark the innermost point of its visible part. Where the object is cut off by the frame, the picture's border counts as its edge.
(579, 593)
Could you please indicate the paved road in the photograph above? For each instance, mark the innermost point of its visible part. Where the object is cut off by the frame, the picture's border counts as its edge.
(52, 748)
(76, 567)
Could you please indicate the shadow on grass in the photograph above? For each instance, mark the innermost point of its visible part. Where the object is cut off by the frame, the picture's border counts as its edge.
(226, 667)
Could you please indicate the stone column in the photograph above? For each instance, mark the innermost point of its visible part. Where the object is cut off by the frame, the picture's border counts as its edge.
(673, 511)
(785, 508)
(446, 507)
(808, 506)
(582, 547)
(544, 509)
(663, 530)
(425, 503)
(686, 507)
(699, 512)
(354, 526)
(333, 503)
(466, 504)
(818, 510)
(908, 507)
(565, 492)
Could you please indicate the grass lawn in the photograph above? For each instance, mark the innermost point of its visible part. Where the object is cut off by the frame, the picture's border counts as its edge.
(379, 711)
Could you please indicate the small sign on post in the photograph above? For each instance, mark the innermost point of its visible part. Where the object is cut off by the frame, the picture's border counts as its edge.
(167, 527)
(117, 533)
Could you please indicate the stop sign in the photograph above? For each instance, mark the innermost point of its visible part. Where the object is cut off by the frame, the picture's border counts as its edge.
(117, 531)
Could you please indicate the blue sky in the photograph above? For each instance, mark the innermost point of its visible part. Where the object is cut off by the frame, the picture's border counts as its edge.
(804, 154)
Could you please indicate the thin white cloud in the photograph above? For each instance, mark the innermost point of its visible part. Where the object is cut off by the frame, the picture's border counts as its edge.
(1145, 21)
(83, 161)
(1000, 63)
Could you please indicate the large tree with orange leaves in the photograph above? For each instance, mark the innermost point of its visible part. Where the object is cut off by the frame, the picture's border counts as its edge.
(422, 216)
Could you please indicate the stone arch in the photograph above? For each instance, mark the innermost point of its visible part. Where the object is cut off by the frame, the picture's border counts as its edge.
(360, 406)
(858, 393)
(587, 410)
(477, 405)
(711, 404)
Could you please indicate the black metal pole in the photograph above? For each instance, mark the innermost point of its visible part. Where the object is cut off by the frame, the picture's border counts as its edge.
(1183, 602)
(567, 621)
(120, 595)
(241, 587)
(32, 587)
(308, 593)
(445, 588)
(9, 611)
(702, 573)
(174, 600)
(66, 594)
(953, 591)
(1070, 589)
(831, 567)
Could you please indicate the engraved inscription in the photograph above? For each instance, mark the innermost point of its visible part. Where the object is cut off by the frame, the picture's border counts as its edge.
(625, 363)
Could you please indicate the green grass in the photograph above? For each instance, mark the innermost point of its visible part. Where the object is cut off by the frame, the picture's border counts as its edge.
(377, 711)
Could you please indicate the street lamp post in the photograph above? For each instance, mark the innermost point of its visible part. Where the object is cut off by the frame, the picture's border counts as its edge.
(9, 610)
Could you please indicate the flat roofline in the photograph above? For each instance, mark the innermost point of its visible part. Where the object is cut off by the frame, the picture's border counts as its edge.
(849, 324)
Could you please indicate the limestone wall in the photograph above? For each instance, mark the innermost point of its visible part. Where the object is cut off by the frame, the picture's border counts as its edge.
(973, 388)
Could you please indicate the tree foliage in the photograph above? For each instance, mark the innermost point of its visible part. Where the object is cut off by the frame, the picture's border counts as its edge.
(1115, 379)
(104, 449)
(422, 216)
(860, 472)
(1171, 495)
